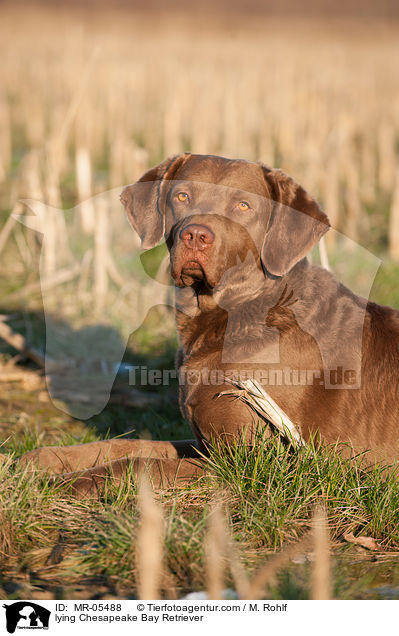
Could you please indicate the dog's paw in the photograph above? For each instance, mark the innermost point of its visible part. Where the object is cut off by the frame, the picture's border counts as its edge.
(48, 458)
(83, 487)
(87, 483)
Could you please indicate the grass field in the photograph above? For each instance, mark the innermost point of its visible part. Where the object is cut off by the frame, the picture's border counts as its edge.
(88, 103)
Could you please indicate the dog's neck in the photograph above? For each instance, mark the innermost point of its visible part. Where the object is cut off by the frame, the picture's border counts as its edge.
(242, 300)
(238, 289)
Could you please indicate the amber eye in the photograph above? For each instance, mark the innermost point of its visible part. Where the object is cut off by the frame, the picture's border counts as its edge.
(182, 196)
(243, 206)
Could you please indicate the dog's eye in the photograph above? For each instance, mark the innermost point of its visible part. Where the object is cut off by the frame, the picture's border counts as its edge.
(182, 196)
(243, 206)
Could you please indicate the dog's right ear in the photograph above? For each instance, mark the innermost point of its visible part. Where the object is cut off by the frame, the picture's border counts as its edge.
(143, 200)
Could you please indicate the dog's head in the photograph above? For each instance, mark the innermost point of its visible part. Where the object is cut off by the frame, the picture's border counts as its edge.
(213, 211)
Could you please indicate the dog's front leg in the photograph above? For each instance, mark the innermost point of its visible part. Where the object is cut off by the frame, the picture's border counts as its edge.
(162, 473)
(68, 459)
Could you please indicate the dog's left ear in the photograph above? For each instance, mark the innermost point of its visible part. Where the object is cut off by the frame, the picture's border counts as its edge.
(296, 223)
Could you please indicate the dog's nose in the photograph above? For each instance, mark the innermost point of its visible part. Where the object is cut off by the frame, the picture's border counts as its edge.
(197, 236)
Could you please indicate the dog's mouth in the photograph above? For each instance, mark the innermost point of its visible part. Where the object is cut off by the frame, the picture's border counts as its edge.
(191, 272)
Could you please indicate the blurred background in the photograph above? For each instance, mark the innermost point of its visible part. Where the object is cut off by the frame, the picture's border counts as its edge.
(93, 93)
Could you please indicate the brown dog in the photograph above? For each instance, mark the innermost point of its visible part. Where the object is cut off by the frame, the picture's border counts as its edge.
(249, 304)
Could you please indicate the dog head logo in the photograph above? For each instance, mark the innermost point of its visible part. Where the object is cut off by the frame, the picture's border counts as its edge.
(26, 615)
(81, 363)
